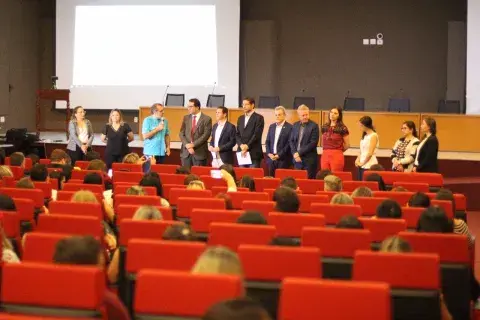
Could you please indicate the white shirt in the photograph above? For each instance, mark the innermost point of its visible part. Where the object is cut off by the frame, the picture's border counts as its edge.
(365, 147)
(419, 148)
(247, 117)
(218, 132)
(278, 130)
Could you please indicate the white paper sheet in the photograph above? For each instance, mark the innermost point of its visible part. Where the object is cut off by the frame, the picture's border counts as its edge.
(244, 160)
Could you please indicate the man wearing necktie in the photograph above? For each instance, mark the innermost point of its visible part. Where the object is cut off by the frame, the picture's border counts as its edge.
(303, 142)
(194, 133)
(277, 143)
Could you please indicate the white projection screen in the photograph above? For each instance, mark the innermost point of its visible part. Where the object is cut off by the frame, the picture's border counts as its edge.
(127, 53)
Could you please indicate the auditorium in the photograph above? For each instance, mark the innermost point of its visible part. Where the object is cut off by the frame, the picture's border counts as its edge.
(239, 159)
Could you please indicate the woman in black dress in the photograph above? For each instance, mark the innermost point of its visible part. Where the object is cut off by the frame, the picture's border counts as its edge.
(426, 159)
(117, 134)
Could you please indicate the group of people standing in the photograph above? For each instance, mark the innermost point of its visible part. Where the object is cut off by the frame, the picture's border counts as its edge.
(286, 144)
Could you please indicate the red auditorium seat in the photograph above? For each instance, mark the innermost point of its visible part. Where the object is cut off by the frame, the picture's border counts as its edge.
(167, 178)
(132, 199)
(232, 235)
(67, 196)
(46, 188)
(52, 289)
(306, 201)
(44, 161)
(128, 167)
(411, 216)
(40, 247)
(133, 177)
(224, 189)
(200, 219)
(266, 183)
(11, 226)
(291, 225)
(302, 299)
(95, 188)
(239, 196)
(445, 205)
(177, 193)
(76, 208)
(80, 174)
(127, 211)
(334, 212)
(154, 286)
(343, 175)
(389, 177)
(164, 168)
(329, 194)
(413, 186)
(150, 254)
(186, 205)
(253, 172)
(34, 194)
(296, 174)
(9, 182)
(122, 188)
(262, 206)
(18, 172)
(369, 205)
(273, 263)
(143, 229)
(210, 182)
(28, 163)
(350, 186)
(383, 228)
(69, 224)
(401, 197)
(336, 242)
(25, 209)
(82, 164)
(201, 171)
(309, 186)
(460, 200)
(167, 187)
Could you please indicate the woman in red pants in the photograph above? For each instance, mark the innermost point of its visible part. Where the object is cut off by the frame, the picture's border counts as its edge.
(334, 141)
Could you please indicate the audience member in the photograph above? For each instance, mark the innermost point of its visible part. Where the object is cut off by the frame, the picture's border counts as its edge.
(332, 183)
(60, 176)
(182, 170)
(377, 167)
(378, 178)
(147, 213)
(218, 260)
(92, 155)
(349, 222)
(434, 219)
(34, 157)
(362, 192)
(135, 191)
(247, 182)
(25, 183)
(17, 159)
(5, 172)
(399, 189)
(229, 168)
(323, 173)
(196, 185)
(39, 172)
(289, 182)
(60, 159)
(252, 217)
(7, 203)
(341, 198)
(395, 244)
(237, 309)
(8, 253)
(99, 165)
(419, 200)
(389, 209)
(226, 198)
(152, 179)
(189, 178)
(286, 200)
(179, 232)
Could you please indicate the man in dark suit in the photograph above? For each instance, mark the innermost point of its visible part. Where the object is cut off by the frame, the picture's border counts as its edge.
(223, 138)
(194, 133)
(277, 144)
(249, 133)
(303, 142)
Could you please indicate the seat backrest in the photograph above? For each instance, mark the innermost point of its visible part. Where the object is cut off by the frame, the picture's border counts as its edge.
(123, 176)
(80, 174)
(132, 199)
(399, 104)
(296, 174)
(168, 178)
(210, 182)
(232, 235)
(216, 190)
(175, 99)
(200, 219)
(413, 186)
(164, 168)
(449, 106)
(352, 185)
(18, 172)
(302, 299)
(167, 187)
(261, 206)
(291, 225)
(151, 254)
(46, 188)
(344, 175)
(25, 209)
(334, 212)
(239, 196)
(76, 208)
(44, 161)
(253, 172)
(390, 177)
(176, 193)
(143, 229)
(82, 164)
(10, 222)
(127, 211)
(268, 102)
(40, 247)
(186, 205)
(354, 104)
(67, 196)
(121, 188)
(266, 183)
(369, 205)
(34, 194)
(307, 200)
(309, 186)
(128, 167)
(163, 285)
(445, 205)
(78, 288)
(383, 228)
(69, 224)
(8, 182)
(341, 243)
(215, 100)
(401, 197)
(411, 216)
(308, 101)
(329, 194)
(95, 188)
(201, 171)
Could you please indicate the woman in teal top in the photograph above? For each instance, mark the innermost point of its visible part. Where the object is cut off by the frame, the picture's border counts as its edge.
(156, 135)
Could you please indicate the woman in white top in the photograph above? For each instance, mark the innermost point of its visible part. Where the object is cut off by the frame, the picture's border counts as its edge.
(368, 146)
(405, 148)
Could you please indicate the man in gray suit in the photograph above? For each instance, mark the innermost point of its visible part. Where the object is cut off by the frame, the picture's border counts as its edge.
(194, 134)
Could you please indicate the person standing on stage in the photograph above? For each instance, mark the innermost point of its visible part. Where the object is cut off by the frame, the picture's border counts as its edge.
(156, 134)
(249, 133)
(194, 133)
(223, 139)
(334, 141)
(405, 148)
(426, 159)
(303, 142)
(277, 144)
(368, 146)
(80, 135)
(116, 134)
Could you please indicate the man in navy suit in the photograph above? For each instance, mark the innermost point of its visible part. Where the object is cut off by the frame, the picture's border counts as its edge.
(223, 138)
(277, 144)
(249, 133)
(303, 142)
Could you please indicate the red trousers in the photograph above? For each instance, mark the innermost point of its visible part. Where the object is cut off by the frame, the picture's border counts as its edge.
(333, 160)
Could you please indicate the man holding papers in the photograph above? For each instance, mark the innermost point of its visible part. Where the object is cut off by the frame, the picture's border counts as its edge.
(223, 139)
(304, 141)
(277, 143)
(249, 134)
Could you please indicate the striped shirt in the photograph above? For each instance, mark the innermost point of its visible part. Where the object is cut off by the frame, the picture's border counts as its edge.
(460, 227)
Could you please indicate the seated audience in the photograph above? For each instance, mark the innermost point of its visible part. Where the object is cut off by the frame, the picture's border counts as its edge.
(323, 173)
(152, 179)
(227, 198)
(92, 155)
(25, 183)
(39, 172)
(341, 198)
(349, 222)
(332, 183)
(60, 176)
(7, 203)
(5, 172)
(229, 168)
(419, 200)
(60, 159)
(377, 167)
(289, 182)
(286, 200)
(136, 191)
(189, 178)
(8, 253)
(87, 251)
(389, 209)
(34, 157)
(196, 185)
(237, 309)
(179, 232)
(218, 260)
(96, 178)
(399, 189)
(229, 179)
(247, 182)
(434, 219)
(182, 170)
(17, 159)
(99, 165)
(252, 217)
(362, 192)
(378, 178)
(147, 213)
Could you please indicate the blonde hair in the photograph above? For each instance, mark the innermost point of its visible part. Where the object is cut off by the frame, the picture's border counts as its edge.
(110, 116)
(332, 183)
(131, 158)
(147, 213)
(5, 172)
(395, 244)
(5, 242)
(303, 107)
(196, 185)
(218, 260)
(85, 196)
(341, 198)
(135, 191)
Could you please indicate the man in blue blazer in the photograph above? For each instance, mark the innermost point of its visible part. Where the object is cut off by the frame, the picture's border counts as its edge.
(277, 144)
(223, 137)
(304, 141)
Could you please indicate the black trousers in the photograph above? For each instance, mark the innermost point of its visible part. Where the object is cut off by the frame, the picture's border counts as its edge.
(76, 155)
(277, 164)
(112, 158)
(191, 161)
